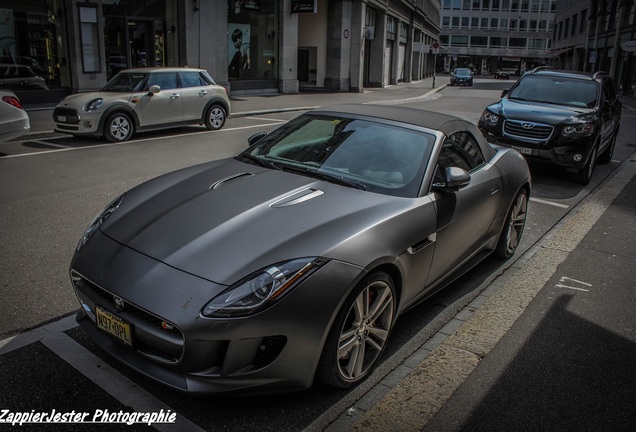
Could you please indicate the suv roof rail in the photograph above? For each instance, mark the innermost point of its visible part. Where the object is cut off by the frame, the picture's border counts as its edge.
(541, 68)
(598, 74)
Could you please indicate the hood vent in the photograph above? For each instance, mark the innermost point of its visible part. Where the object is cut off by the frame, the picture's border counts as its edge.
(297, 198)
(219, 183)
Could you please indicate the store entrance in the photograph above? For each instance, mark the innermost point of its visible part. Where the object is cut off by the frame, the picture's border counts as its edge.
(140, 43)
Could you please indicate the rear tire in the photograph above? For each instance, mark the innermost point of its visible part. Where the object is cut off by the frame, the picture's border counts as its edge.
(513, 229)
(359, 333)
(215, 117)
(118, 127)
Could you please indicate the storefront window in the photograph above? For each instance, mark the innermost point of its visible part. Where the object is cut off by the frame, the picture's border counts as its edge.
(32, 46)
(252, 47)
(88, 33)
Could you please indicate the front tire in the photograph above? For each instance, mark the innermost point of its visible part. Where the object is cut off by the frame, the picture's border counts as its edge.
(585, 174)
(360, 332)
(118, 127)
(215, 117)
(513, 229)
(606, 156)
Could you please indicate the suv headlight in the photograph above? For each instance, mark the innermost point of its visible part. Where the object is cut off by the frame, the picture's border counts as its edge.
(98, 221)
(489, 117)
(261, 289)
(94, 104)
(578, 130)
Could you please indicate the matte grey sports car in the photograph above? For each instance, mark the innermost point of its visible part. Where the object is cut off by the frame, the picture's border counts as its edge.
(293, 260)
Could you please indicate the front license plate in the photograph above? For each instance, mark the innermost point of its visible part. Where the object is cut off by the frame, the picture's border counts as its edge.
(114, 325)
(523, 150)
(61, 119)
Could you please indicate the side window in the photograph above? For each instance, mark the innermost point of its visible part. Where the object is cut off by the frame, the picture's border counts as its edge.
(165, 80)
(190, 79)
(461, 150)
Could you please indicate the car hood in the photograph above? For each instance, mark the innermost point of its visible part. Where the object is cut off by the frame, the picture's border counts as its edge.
(225, 219)
(537, 112)
(79, 101)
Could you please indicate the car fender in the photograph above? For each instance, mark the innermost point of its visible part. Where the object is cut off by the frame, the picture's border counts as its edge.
(215, 101)
(116, 108)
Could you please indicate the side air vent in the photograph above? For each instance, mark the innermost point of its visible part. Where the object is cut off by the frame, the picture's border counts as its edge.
(297, 198)
(219, 183)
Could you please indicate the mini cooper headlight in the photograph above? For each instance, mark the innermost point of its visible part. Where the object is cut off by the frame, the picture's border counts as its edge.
(261, 289)
(578, 130)
(93, 105)
(98, 221)
(490, 117)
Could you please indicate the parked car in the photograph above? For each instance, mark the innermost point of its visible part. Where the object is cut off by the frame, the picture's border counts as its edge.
(501, 75)
(17, 77)
(293, 260)
(14, 121)
(144, 99)
(461, 76)
(569, 119)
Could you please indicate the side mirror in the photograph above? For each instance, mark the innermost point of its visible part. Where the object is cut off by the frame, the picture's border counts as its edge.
(256, 138)
(453, 179)
(505, 92)
(154, 89)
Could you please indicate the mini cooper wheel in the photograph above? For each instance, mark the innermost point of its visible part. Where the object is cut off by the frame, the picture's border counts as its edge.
(513, 229)
(215, 117)
(585, 174)
(360, 332)
(118, 127)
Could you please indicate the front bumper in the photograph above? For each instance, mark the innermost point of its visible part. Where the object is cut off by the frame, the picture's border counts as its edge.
(72, 121)
(461, 81)
(275, 350)
(571, 154)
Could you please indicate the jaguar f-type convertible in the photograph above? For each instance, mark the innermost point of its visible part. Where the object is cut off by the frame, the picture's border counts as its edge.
(292, 261)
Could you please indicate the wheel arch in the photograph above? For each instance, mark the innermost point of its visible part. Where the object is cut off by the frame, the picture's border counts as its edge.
(215, 101)
(116, 109)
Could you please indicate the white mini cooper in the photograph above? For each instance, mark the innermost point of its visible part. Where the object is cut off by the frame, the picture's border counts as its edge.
(145, 99)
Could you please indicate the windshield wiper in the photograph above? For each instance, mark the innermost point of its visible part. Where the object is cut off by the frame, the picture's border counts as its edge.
(261, 161)
(326, 176)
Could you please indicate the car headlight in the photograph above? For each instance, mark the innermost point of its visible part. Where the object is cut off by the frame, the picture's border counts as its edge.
(94, 104)
(98, 221)
(578, 130)
(261, 289)
(489, 117)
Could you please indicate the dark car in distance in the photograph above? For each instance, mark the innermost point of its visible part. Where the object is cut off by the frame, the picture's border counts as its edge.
(564, 118)
(461, 76)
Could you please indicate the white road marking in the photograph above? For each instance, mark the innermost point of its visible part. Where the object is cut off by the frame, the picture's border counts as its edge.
(49, 144)
(267, 119)
(564, 279)
(552, 203)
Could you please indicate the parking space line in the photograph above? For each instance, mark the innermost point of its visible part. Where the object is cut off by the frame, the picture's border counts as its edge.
(49, 144)
(110, 380)
(27, 338)
(267, 119)
(551, 203)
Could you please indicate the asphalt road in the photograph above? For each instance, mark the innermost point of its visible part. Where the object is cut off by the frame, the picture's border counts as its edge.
(52, 187)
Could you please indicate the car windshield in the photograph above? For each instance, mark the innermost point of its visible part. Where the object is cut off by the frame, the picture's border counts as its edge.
(369, 155)
(462, 71)
(125, 82)
(556, 90)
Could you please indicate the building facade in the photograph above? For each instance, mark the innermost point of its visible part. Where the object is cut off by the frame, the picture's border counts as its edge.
(496, 35)
(594, 35)
(259, 46)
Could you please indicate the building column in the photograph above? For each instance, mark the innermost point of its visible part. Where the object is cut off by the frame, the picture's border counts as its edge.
(357, 36)
(376, 51)
(287, 49)
(339, 24)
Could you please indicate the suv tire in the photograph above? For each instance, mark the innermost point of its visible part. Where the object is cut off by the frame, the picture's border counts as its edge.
(606, 156)
(585, 174)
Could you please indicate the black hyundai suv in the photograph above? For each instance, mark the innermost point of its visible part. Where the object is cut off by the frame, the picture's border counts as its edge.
(566, 118)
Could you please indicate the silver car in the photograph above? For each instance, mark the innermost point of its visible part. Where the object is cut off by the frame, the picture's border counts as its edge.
(292, 261)
(145, 99)
(14, 121)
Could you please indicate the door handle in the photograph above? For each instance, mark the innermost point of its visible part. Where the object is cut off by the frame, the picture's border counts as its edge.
(203, 92)
(174, 96)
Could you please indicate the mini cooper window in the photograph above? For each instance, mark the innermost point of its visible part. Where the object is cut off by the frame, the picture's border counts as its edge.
(165, 80)
(191, 79)
(374, 156)
(125, 82)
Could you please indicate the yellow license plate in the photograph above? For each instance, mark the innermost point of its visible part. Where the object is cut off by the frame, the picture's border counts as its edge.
(114, 325)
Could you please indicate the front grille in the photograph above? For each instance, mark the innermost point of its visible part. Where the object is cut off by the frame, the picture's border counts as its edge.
(66, 115)
(153, 336)
(527, 130)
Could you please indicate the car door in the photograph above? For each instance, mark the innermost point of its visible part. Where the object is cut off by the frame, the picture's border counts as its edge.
(463, 216)
(195, 93)
(164, 107)
(610, 111)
